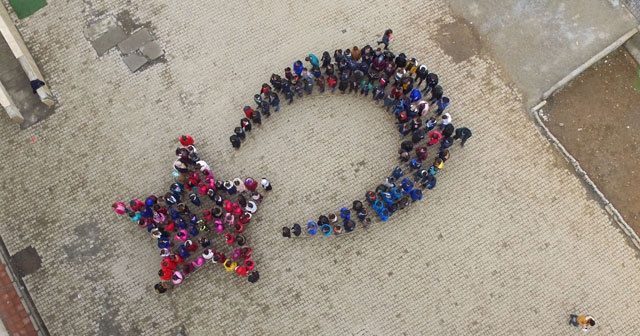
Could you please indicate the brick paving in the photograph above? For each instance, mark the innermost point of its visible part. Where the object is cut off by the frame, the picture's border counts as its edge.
(14, 316)
(509, 242)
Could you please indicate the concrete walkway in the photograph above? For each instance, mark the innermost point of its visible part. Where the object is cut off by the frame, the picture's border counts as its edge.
(537, 43)
(498, 248)
(17, 84)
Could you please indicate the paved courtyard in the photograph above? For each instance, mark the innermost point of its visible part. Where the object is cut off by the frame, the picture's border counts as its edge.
(509, 243)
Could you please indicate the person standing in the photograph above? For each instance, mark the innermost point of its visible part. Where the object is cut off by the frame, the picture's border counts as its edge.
(247, 111)
(386, 38)
(265, 184)
(287, 73)
(432, 81)
(313, 60)
(253, 277)
(250, 184)
(434, 138)
(417, 136)
(186, 140)
(274, 100)
(446, 120)
(332, 81)
(194, 199)
(582, 321)
(448, 130)
(240, 133)
(421, 75)
(326, 59)
(462, 133)
(436, 94)
(442, 104)
(307, 78)
(256, 117)
(245, 123)
(119, 208)
(297, 67)
(235, 141)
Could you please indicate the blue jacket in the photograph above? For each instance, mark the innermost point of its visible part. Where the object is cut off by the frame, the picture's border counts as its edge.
(314, 60)
(298, 69)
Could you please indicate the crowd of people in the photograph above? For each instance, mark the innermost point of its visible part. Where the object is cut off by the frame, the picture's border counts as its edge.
(402, 84)
(198, 220)
(188, 236)
(398, 81)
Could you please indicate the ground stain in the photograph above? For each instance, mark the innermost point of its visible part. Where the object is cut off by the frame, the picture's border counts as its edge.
(459, 39)
(87, 243)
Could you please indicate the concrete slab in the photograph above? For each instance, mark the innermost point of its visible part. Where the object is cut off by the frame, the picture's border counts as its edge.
(152, 50)
(96, 28)
(134, 61)
(135, 41)
(108, 40)
(537, 43)
(18, 88)
(633, 46)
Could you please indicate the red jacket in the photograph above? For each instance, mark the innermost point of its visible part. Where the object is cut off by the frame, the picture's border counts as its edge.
(137, 205)
(168, 263)
(186, 140)
(434, 137)
(167, 274)
(248, 112)
(250, 184)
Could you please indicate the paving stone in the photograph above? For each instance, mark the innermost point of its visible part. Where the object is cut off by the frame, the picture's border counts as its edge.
(152, 50)
(108, 40)
(506, 232)
(134, 61)
(135, 41)
(96, 28)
